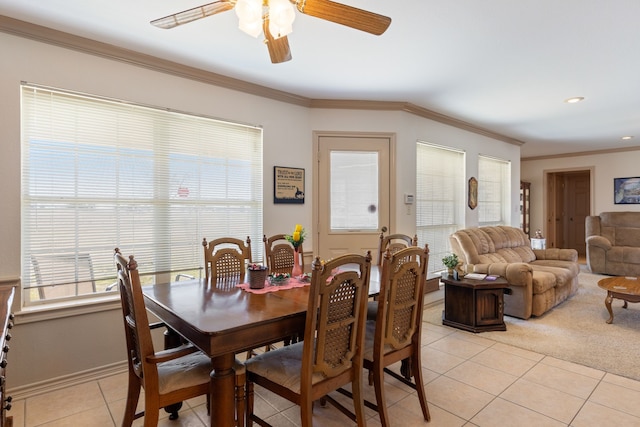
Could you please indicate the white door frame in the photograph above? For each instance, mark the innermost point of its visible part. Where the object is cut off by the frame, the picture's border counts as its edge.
(316, 177)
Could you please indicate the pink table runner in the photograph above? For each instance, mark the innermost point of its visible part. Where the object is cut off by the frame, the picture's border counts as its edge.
(268, 287)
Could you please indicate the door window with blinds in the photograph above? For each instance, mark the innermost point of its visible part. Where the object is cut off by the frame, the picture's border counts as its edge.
(494, 189)
(99, 174)
(440, 199)
(354, 190)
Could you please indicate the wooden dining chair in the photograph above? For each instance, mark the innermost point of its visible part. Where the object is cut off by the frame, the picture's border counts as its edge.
(226, 259)
(279, 254)
(394, 243)
(331, 354)
(395, 335)
(170, 376)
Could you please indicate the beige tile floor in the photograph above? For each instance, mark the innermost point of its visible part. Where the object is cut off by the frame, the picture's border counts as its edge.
(469, 380)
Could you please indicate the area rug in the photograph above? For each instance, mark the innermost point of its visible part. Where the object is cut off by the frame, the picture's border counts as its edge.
(576, 331)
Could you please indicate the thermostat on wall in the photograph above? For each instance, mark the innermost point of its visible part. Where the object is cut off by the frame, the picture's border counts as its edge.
(408, 199)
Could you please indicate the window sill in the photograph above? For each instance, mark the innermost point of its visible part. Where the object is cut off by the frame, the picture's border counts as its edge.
(67, 309)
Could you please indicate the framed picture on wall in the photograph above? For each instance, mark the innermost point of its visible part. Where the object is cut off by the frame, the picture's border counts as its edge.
(473, 193)
(288, 185)
(626, 191)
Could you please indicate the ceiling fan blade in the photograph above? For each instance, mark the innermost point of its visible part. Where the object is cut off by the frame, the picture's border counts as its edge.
(278, 48)
(194, 14)
(345, 15)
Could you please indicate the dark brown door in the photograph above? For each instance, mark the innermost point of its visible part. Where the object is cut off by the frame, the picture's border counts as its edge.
(568, 204)
(578, 207)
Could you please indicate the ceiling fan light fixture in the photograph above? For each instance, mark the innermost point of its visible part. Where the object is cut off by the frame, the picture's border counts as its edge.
(281, 17)
(249, 14)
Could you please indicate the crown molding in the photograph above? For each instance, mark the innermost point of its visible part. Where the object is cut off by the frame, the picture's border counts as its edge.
(81, 44)
(105, 50)
(581, 153)
(412, 109)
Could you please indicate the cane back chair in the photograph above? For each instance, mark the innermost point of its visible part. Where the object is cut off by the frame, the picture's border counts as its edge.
(226, 259)
(394, 243)
(279, 254)
(396, 333)
(331, 354)
(168, 377)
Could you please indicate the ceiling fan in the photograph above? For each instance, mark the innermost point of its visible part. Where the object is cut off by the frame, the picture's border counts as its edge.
(273, 18)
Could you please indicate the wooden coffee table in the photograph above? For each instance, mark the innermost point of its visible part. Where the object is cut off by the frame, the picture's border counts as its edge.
(624, 288)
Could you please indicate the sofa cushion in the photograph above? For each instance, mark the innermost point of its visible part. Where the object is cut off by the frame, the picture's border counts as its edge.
(628, 236)
(621, 228)
(561, 276)
(543, 281)
(517, 254)
(559, 265)
(487, 245)
(631, 255)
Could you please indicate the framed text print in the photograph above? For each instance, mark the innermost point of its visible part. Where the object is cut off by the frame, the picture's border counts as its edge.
(288, 185)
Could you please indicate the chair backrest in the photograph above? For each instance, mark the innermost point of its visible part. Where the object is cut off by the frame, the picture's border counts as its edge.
(46, 267)
(134, 313)
(338, 293)
(394, 242)
(226, 259)
(279, 254)
(401, 297)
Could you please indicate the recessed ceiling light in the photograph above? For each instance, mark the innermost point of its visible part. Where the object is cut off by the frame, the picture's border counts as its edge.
(627, 137)
(574, 99)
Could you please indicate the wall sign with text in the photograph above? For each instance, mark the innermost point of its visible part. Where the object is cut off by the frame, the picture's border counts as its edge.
(288, 185)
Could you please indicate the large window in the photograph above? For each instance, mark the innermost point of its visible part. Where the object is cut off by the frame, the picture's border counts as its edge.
(440, 199)
(99, 174)
(494, 186)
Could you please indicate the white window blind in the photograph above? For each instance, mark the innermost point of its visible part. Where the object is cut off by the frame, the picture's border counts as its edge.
(354, 187)
(494, 178)
(99, 174)
(440, 199)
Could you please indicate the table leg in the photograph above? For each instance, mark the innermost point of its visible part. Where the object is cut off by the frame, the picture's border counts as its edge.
(172, 340)
(607, 303)
(223, 391)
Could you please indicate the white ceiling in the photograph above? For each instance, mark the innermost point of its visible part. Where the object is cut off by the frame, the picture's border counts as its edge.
(503, 65)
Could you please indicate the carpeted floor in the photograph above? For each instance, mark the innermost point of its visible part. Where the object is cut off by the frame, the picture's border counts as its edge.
(576, 331)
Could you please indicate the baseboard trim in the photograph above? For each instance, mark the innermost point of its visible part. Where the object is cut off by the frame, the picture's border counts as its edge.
(53, 384)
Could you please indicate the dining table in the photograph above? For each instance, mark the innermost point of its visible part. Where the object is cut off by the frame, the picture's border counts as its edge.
(222, 320)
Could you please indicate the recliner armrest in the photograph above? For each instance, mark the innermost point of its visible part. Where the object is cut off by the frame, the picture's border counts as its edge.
(516, 273)
(557, 254)
(600, 242)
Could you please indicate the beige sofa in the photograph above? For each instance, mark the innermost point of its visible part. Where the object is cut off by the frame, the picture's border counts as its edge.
(613, 243)
(539, 279)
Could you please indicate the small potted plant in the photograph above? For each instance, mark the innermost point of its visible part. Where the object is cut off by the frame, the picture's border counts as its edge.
(257, 275)
(451, 262)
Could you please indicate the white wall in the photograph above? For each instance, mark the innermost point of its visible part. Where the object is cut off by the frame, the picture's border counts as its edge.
(606, 167)
(409, 129)
(47, 349)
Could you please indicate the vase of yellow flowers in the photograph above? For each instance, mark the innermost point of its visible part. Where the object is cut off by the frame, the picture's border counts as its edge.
(296, 238)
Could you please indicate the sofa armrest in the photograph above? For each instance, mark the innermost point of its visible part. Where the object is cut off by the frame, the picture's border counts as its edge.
(557, 254)
(600, 242)
(516, 273)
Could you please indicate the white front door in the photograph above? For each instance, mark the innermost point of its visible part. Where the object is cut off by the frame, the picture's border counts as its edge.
(353, 193)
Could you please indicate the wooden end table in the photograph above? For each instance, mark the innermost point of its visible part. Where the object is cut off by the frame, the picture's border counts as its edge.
(474, 305)
(624, 288)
